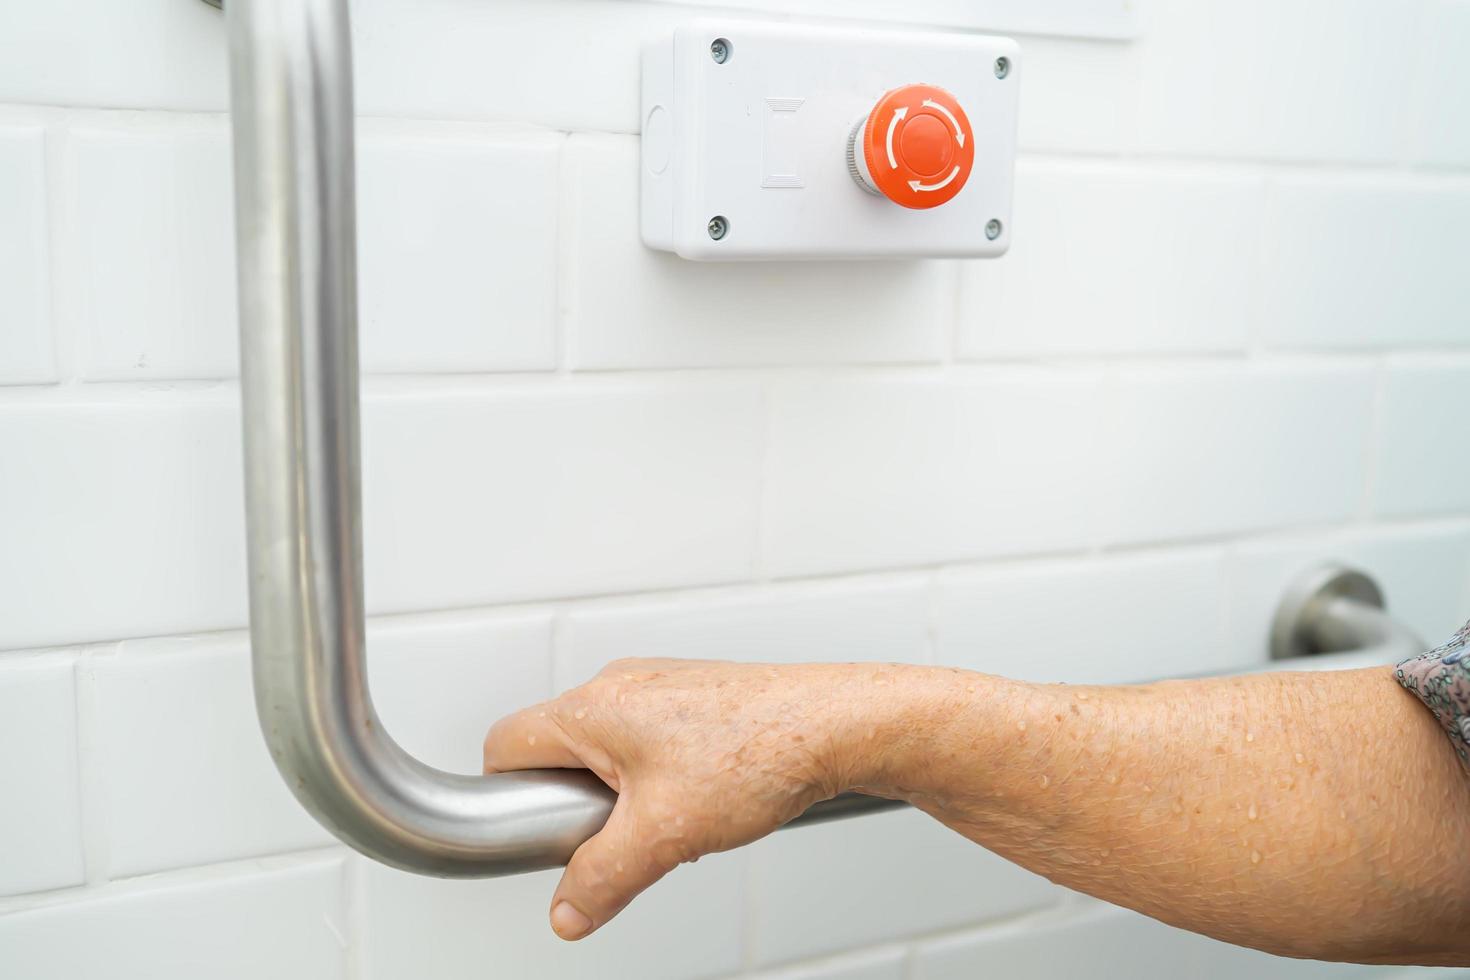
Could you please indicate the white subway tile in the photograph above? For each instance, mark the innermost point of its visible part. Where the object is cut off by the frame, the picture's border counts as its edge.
(1117, 260)
(879, 964)
(151, 217)
(884, 622)
(457, 261)
(874, 879)
(1125, 619)
(1424, 574)
(79, 52)
(457, 257)
(1422, 463)
(470, 498)
(129, 514)
(1441, 100)
(26, 353)
(588, 489)
(685, 927)
(41, 818)
(1217, 450)
(633, 307)
(187, 778)
(865, 473)
(517, 59)
(286, 924)
(1354, 262)
(437, 685)
(1296, 79)
(1079, 95)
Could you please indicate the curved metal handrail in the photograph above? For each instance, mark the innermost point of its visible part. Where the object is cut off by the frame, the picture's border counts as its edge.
(291, 102)
(291, 99)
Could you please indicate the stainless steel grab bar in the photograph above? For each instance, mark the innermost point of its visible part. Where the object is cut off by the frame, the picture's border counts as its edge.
(291, 100)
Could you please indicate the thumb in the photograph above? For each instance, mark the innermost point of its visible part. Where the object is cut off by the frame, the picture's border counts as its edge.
(607, 872)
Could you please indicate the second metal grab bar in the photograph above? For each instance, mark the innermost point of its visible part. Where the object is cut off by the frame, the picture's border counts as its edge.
(292, 108)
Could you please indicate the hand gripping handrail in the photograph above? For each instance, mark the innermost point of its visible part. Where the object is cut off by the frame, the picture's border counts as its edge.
(291, 101)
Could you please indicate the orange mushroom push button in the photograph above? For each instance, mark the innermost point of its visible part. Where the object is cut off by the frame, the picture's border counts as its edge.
(915, 148)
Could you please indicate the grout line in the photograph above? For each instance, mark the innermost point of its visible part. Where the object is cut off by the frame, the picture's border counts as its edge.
(760, 562)
(817, 583)
(354, 887)
(153, 391)
(91, 770)
(568, 199)
(1372, 442)
(174, 877)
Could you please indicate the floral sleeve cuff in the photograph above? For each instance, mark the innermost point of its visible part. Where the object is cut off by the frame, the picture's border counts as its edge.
(1441, 679)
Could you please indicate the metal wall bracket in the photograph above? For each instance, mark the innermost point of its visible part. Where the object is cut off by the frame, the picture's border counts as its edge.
(1337, 609)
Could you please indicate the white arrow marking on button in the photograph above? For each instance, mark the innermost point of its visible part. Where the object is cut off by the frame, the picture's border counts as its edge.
(892, 127)
(921, 186)
(959, 134)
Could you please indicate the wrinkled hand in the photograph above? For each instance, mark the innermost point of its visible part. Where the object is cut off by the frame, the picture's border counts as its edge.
(704, 756)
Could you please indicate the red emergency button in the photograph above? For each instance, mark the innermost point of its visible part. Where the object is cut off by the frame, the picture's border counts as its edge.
(915, 148)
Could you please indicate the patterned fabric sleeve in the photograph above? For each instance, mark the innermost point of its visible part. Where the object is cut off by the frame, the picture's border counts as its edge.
(1441, 679)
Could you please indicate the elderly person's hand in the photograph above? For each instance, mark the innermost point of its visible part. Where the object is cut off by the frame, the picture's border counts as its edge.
(705, 757)
(1321, 815)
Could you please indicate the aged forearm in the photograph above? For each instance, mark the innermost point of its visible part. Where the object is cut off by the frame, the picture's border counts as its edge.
(1319, 815)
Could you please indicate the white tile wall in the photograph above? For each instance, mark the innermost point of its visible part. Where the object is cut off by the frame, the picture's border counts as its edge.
(1301, 80)
(1081, 276)
(1089, 621)
(26, 354)
(1422, 464)
(865, 473)
(609, 487)
(1355, 262)
(885, 622)
(889, 876)
(458, 250)
(634, 308)
(881, 964)
(41, 817)
(259, 921)
(688, 926)
(1237, 284)
(1206, 451)
(439, 683)
(127, 510)
(443, 289)
(1443, 95)
(176, 723)
(150, 213)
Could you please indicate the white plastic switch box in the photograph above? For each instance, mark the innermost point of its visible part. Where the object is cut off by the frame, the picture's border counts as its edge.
(771, 141)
